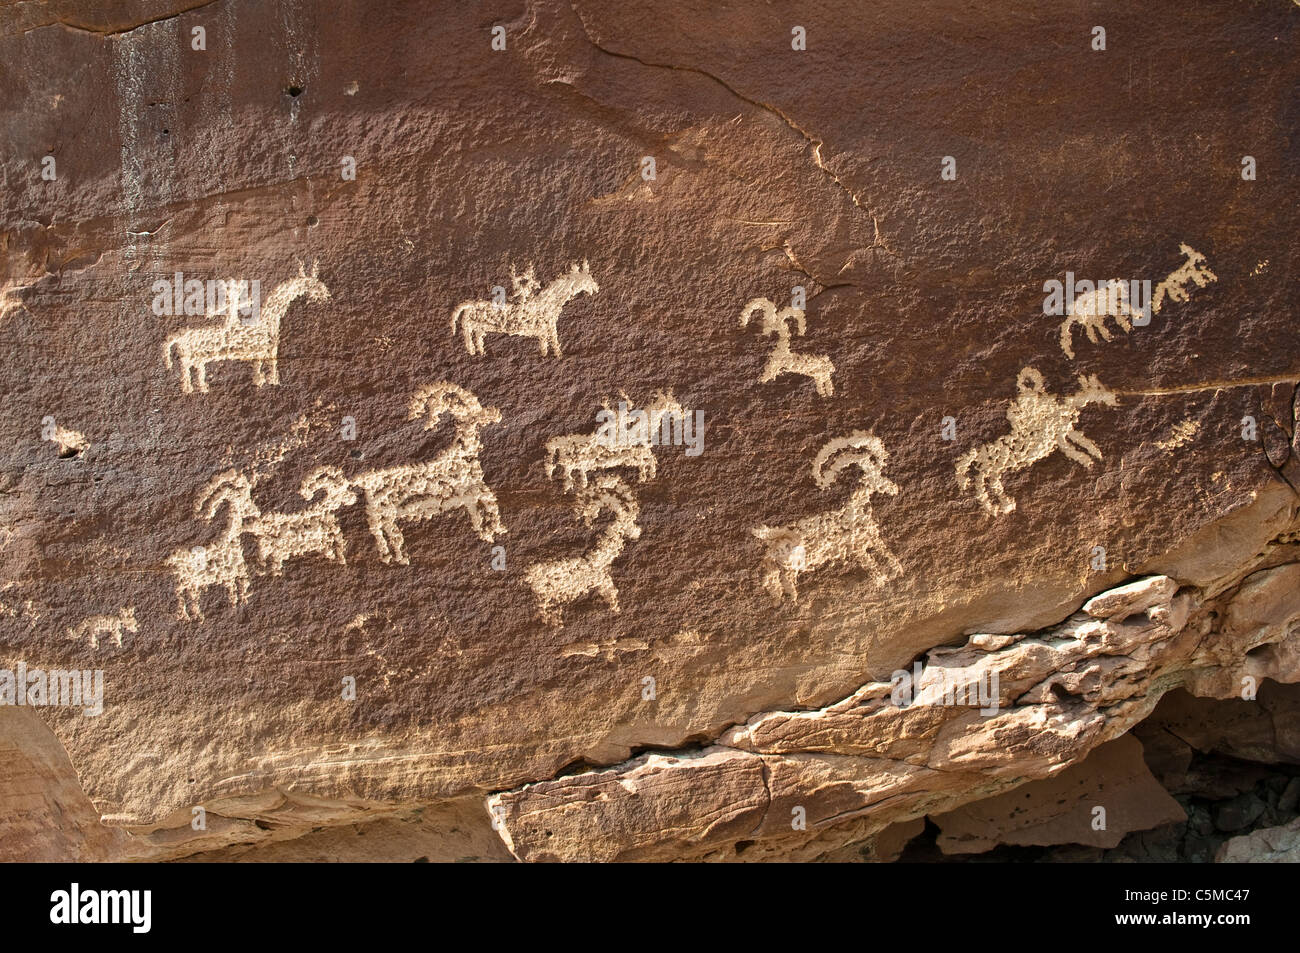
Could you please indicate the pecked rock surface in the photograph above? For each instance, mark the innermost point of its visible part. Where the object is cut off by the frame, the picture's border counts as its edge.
(359, 562)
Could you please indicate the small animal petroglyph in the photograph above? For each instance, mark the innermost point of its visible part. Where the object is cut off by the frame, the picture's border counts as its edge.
(534, 314)
(1180, 434)
(1194, 269)
(582, 454)
(418, 491)
(782, 360)
(1091, 309)
(313, 529)
(848, 533)
(220, 563)
(233, 340)
(559, 582)
(70, 442)
(1041, 424)
(106, 625)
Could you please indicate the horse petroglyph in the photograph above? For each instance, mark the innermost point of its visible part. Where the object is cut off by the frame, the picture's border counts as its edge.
(622, 440)
(846, 534)
(454, 479)
(1041, 424)
(234, 340)
(782, 360)
(1194, 269)
(106, 625)
(533, 313)
(557, 583)
(313, 529)
(220, 563)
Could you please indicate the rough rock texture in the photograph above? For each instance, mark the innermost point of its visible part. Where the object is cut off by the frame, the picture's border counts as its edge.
(1273, 845)
(1064, 809)
(233, 518)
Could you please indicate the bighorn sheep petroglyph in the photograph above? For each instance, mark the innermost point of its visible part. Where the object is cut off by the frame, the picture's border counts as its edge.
(533, 314)
(844, 534)
(418, 491)
(782, 360)
(557, 583)
(313, 529)
(220, 563)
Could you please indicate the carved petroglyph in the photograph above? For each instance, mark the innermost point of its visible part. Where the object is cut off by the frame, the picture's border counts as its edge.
(583, 454)
(559, 582)
(1041, 424)
(1091, 309)
(1121, 300)
(233, 340)
(782, 360)
(1180, 435)
(220, 563)
(1194, 269)
(843, 535)
(534, 313)
(106, 625)
(311, 530)
(454, 479)
(69, 442)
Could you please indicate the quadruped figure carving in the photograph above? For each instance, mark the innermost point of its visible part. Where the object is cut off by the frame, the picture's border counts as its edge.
(817, 367)
(232, 340)
(534, 313)
(453, 479)
(1041, 424)
(849, 533)
(556, 583)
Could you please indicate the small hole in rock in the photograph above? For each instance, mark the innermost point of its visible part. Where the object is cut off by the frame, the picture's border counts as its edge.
(312, 221)
(294, 91)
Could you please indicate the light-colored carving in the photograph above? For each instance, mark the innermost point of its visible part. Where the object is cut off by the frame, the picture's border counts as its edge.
(233, 340)
(313, 529)
(10, 297)
(782, 360)
(1194, 269)
(70, 442)
(220, 563)
(583, 454)
(106, 625)
(418, 491)
(557, 583)
(1090, 311)
(1041, 424)
(849, 533)
(1180, 435)
(534, 314)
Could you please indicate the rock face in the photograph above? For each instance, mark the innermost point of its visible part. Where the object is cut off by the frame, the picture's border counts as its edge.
(567, 432)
